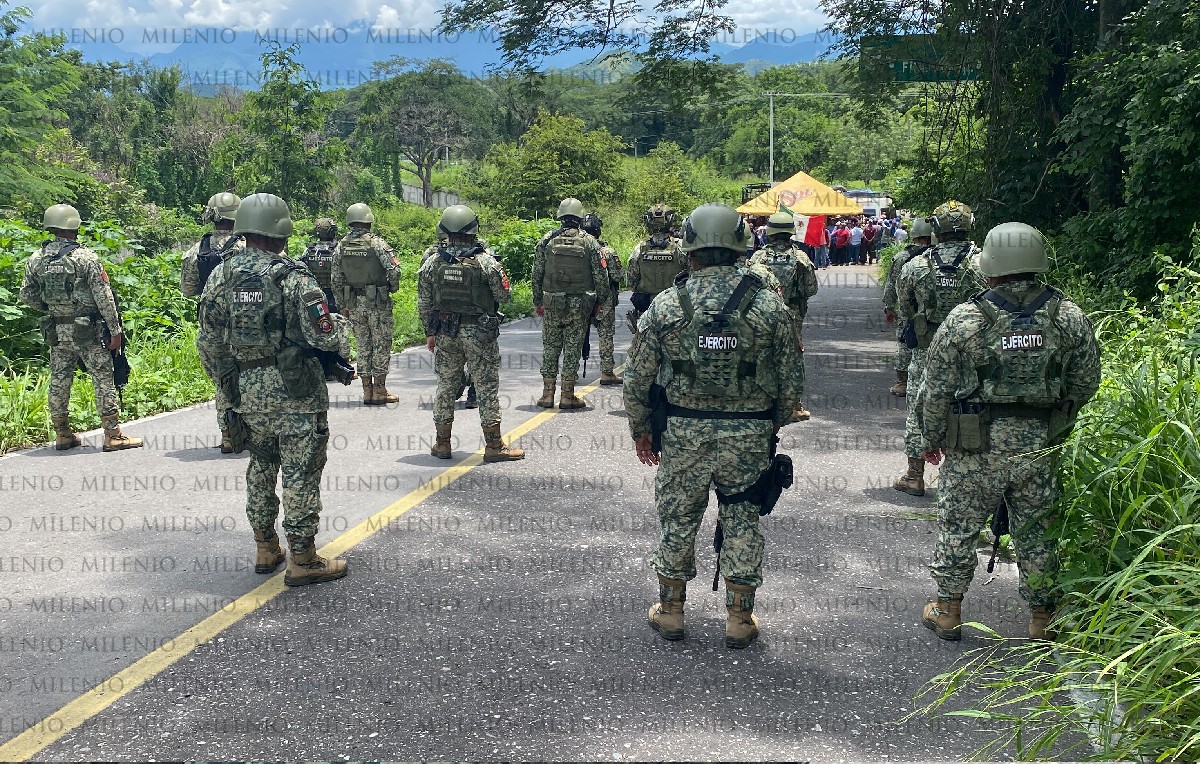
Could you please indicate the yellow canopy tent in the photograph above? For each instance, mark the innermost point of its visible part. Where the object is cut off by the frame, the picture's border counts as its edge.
(804, 195)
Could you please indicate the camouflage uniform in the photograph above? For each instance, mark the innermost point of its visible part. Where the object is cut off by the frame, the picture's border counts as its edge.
(88, 296)
(566, 314)
(800, 287)
(286, 434)
(912, 298)
(972, 484)
(370, 314)
(471, 345)
(699, 452)
(657, 243)
(190, 286)
(606, 314)
(891, 300)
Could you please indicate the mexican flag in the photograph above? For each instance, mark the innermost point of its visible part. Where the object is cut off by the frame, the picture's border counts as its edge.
(809, 228)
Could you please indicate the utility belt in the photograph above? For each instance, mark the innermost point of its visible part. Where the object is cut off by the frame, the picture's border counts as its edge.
(376, 293)
(87, 327)
(299, 378)
(967, 427)
(686, 413)
(448, 323)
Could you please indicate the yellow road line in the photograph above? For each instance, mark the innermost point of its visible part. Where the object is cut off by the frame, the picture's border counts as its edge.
(74, 714)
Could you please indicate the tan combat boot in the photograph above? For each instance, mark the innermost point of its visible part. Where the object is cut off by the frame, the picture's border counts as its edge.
(741, 625)
(666, 615)
(441, 448)
(114, 439)
(1039, 617)
(368, 384)
(944, 616)
(495, 450)
(306, 567)
(913, 481)
(226, 442)
(567, 399)
(380, 391)
(610, 378)
(547, 399)
(901, 386)
(270, 554)
(64, 436)
(801, 414)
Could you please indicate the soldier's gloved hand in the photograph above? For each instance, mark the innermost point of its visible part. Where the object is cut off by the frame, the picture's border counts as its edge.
(538, 309)
(933, 457)
(115, 342)
(429, 342)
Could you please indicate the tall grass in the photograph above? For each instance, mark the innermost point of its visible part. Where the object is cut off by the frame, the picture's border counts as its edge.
(1125, 671)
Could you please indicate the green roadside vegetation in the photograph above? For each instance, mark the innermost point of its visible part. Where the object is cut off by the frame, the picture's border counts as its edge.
(1092, 138)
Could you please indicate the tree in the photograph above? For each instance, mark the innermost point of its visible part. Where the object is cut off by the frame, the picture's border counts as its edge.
(35, 73)
(419, 114)
(556, 158)
(282, 147)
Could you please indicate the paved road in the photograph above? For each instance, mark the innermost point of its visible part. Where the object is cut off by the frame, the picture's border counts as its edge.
(493, 611)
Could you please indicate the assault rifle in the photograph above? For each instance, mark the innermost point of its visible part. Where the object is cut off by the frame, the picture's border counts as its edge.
(999, 528)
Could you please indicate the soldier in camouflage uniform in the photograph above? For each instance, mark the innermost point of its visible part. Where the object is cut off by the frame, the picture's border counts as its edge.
(68, 283)
(731, 384)
(570, 278)
(929, 286)
(654, 262)
(459, 291)
(605, 320)
(795, 274)
(261, 316)
(921, 233)
(1005, 378)
(200, 260)
(318, 256)
(365, 272)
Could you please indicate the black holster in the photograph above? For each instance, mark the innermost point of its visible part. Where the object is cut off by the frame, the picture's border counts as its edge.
(236, 430)
(658, 416)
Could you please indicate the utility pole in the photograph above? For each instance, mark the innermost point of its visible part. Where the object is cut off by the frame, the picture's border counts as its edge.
(771, 124)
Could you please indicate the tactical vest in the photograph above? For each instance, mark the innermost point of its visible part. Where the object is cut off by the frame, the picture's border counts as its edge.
(943, 285)
(660, 266)
(718, 345)
(1024, 349)
(459, 286)
(568, 263)
(360, 263)
(255, 301)
(57, 276)
(319, 259)
(784, 264)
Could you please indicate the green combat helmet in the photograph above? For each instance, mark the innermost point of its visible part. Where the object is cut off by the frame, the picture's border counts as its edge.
(458, 220)
(781, 222)
(61, 216)
(1013, 248)
(359, 213)
(325, 229)
(220, 206)
(265, 215)
(953, 217)
(921, 228)
(715, 225)
(660, 217)
(570, 208)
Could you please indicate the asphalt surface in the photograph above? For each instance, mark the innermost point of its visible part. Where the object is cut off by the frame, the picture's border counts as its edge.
(504, 616)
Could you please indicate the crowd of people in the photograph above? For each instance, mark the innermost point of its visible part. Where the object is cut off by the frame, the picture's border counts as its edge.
(851, 240)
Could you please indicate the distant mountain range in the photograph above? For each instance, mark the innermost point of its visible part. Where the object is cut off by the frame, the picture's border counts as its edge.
(343, 57)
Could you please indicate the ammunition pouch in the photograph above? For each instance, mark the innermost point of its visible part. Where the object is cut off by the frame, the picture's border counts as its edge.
(966, 427)
(490, 326)
(924, 329)
(86, 330)
(49, 330)
(299, 378)
(447, 323)
(236, 430)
